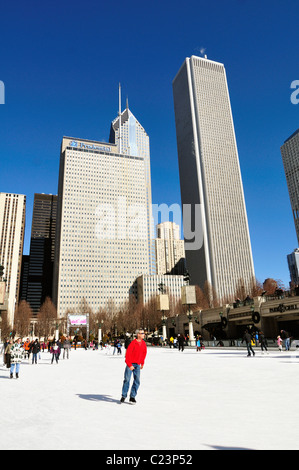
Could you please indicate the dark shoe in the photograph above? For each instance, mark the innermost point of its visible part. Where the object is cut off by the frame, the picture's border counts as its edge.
(122, 400)
(17, 376)
(11, 376)
(132, 400)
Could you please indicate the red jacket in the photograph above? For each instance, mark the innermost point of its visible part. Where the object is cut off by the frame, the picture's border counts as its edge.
(136, 353)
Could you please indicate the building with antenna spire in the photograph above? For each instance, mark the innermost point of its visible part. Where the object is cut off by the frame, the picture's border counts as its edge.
(104, 218)
(134, 141)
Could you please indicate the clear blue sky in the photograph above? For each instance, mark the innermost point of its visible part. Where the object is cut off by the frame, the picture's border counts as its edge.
(61, 63)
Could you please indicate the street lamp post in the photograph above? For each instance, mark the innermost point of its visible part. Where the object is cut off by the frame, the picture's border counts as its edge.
(189, 298)
(57, 332)
(191, 331)
(162, 306)
(100, 331)
(164, 332)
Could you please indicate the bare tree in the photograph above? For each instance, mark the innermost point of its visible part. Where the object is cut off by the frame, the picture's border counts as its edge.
(6, 327)
(210, 295)
(128, 316)
(201, 300)
(22, 319)
(270, 286)
(46, 319)
(256, 287)
(240, 291)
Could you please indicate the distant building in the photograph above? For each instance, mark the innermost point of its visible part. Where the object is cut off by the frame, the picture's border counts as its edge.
(293, 262)
(12, 230)
(170, 252)
(290, 158)
(24, 278)
(132, 139)
(103, 218)
(148, 286)
(37, 275)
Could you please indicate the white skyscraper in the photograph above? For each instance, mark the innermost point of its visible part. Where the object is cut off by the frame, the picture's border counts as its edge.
(102, 237)
(12, 229)
(133, 140)
(290, 157)
(210, 176)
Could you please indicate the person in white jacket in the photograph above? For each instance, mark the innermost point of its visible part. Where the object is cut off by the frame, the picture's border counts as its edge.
(16, 354)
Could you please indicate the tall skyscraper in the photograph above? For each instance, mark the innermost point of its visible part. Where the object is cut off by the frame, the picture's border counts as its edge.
(290, 157)
(210, 176)
(132, 139)
(102, 236)
(170, 252)
(38, 269)
(12, 229)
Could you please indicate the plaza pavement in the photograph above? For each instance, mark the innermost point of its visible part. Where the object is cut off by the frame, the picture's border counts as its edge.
(208, 400)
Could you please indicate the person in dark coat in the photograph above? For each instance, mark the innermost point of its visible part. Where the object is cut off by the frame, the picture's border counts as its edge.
(127, 341)
(181, 341)
(35, 349)
(263, 341)
(248, 338)
(286, 337)
(7, 356)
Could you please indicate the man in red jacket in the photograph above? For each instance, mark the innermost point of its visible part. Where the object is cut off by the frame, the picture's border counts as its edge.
(135, 357)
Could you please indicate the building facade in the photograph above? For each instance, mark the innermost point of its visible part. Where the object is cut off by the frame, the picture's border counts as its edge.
(132, 139)
(12, 230)
(148, 286)
(293, 263)
(290, 157)
(102, 230)
(170, 251)
(210, 177)
(37, 281)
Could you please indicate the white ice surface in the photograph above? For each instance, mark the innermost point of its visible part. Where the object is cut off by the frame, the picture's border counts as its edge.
(214, 399)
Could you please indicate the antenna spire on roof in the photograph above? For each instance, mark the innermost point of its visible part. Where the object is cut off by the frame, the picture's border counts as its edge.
(119, 120)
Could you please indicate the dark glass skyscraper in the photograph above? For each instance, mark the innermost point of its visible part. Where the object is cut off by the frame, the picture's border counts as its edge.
(40, 270)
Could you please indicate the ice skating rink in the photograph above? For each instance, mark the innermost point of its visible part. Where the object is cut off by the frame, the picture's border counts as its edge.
(209, 400)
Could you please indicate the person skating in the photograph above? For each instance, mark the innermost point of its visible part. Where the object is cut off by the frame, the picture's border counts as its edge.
(248, 338)
(198, 343)
(16, 355)
(286, 338)
(35, 349)
(135, 357)
(7, 355)
(263, 342)
(181, 341)
(66, 348)
(55, 351)
(27, 347)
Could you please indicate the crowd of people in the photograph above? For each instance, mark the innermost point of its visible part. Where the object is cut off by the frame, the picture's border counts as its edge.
(251, 339)
(14, 352)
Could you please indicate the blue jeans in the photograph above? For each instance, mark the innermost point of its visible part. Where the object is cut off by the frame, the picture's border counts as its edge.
(127, 378)
(34, 358)
(287, 344)
(13, 367)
